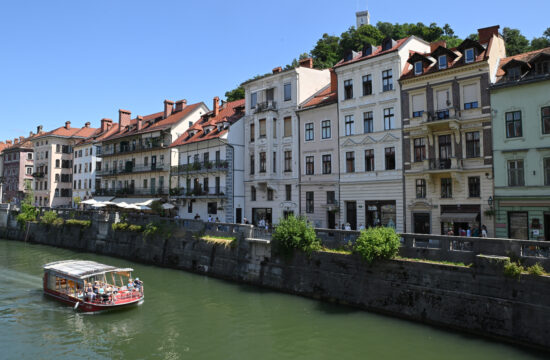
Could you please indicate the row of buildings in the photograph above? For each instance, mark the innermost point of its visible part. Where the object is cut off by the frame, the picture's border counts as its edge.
(408, 134)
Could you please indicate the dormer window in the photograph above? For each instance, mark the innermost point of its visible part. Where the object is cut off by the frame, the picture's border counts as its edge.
(469, 55)
(542, 67)
(513, 73)
(442, 62)
(418, 68)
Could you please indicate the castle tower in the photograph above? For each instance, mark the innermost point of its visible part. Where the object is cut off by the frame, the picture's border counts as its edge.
(363, 18)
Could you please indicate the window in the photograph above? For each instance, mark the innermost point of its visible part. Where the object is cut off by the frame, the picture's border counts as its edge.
(368, 122)
(269, 194)
(446, 188)
(515, 173)
(389, 119)
(474, 187)
(253, 193)
(470, 97)
(287, 92)
(545, 117)
(310, 165)
(287, 126)
(331, 197)
(472, 144)
(348, 89)
(469, 55)
(369, 160)
(350, 128)
(309, 131)
(547, 171)
(542, 67)
(56, 178)
(442, 62)
(513, 124)
(29, 156)
(420, 188)
(419, 149)
(418, 68)
(274, 161)
(212, 208)
(327, 164)
(288, 192)
(262, 128)
(309, 202)
(146, 160)
(262, 162)
(387, 80)
(252, 128)
(79, 153)
(390, 158)
(325, 129)
(443, 103)
(288, 161)
(417, 105)
(57, 163)
(367, 85)
(350, 161)
(253, 100)
(274, 128)
(57, 148)
(513, 73)
(252, 164)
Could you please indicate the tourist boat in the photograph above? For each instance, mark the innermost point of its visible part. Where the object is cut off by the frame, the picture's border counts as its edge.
(90, 286)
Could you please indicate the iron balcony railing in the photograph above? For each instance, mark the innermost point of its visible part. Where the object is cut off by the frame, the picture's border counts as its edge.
(269, 105)
(134, 169)
(132, 191)
(202, 166)
(116, 150)
(198, 192)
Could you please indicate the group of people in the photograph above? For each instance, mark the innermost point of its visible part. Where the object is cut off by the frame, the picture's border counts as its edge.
(468, 232)
(103, 292)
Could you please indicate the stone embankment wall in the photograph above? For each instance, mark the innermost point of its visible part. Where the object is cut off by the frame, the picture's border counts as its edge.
(477, 299)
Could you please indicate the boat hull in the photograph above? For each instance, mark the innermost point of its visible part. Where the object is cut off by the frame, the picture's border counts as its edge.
(85, 306)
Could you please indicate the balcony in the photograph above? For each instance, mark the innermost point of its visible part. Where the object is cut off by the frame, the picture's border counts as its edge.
(263, 106)
(131, 149)
(131, 191)
(38, 175)
(200, 167)
(199, 193)
(442, 166)
(134, 170)
(441, 119)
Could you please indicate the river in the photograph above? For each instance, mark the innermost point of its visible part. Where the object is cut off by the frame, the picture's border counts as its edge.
(188, 316)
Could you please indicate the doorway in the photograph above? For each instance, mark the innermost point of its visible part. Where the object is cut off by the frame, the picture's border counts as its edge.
(153, 162)
(351, 214)
(238, 215)
(547, 226)
(518, 225)
(421, 223)
(331, 219)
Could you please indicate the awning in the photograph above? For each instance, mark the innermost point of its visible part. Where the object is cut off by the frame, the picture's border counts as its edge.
(167, 206)
(458, 217)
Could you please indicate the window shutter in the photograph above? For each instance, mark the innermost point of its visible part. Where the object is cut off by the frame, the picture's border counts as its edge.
(442, 97)
(470, 93)
(417, 103)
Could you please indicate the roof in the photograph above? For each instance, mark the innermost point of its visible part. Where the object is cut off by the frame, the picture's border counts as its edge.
(99, 136)
(524, 57)
(229, 112)
(322, 97)
(82, 269)
(149, 125)
(62, 131)
(377, 52)
(23, 143)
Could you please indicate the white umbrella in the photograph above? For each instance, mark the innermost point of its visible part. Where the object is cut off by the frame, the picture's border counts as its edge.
(167, 206)
(98, 205)
(89, 202)
(138, 207)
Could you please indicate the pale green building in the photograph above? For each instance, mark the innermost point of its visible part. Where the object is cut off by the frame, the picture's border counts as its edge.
(520, 99)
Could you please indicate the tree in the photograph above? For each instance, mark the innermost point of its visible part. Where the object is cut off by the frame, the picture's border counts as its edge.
(516, 43)
(541, 42)
(325, 52)
(235, 94)
(355, 39)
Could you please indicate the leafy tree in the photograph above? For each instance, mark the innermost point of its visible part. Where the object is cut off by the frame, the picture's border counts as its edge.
(474, 37)
(355, 39)
(296, 62)
(235, 94)
(516, 43)
(325, 53)
(541, 42)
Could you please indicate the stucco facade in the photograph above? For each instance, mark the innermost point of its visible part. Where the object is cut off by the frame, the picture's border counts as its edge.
(271, 140)
(17, 170)
(84, 170)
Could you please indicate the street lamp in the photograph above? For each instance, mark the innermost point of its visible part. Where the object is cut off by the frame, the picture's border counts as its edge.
(490, 201)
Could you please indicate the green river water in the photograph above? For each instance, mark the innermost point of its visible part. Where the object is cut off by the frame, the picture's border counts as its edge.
(188, 316)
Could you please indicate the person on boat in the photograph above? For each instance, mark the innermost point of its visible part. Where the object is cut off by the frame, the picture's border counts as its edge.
(130, 284)
(137, 284)
(95, 288)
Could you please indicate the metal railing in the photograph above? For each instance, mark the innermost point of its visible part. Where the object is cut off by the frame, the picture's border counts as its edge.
(134, 169)
(269, 105)
(131, 149)
(201, 166)
(131, 191)
(210, 192)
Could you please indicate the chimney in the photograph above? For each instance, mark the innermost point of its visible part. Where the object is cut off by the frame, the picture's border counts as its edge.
(16, 141)
(106, 124)
(39, 129)
(67, 125)
(168, 108)
(8, 142)
(437, 44)
(333, 81)
(216, 106)
(139, 122)
(278, 69)
(31, 134)
(180, 105)
(21, 138)
(124, 117)
(485, 34)
(87, 125)
(308, 63)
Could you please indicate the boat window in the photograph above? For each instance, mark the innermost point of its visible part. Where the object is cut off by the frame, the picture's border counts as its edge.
(51, 281)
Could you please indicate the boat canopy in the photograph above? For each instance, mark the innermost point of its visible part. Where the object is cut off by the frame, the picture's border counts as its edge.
(82, 269)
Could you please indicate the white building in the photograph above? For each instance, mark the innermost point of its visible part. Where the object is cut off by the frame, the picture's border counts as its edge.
(208, 179)
(369, 111)
(272, 139)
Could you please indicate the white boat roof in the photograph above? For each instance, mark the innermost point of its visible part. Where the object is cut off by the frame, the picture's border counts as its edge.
(82, 269)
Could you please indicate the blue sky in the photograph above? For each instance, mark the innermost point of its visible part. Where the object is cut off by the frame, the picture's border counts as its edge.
(83, 60)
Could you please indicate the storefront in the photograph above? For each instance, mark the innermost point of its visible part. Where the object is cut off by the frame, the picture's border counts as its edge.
(457, 219)
(380, 213)
(262, 214)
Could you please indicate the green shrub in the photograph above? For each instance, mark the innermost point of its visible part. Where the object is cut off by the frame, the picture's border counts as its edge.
(295, 233)
(48, 217)
(135, 228)
(513, 270)
(58, 222)
(82, 223)
(121, 226)
(151, 229)
(377, 243)
(536, 269)
(28, 213)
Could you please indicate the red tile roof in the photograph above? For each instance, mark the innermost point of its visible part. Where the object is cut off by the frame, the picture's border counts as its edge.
(323, 97)
(524, 57)
(98, 135)
(230, 112)
(82, 132)
(377, 52)
(23, 143)
(149, 126)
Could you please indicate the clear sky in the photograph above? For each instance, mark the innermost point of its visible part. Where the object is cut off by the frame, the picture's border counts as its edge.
(83, 60)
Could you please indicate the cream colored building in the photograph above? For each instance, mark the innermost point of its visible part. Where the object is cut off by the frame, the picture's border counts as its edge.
(369, 103)
(53, 164)
(136, 159)
(319, 168)
(271, 139)
(447, 138)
